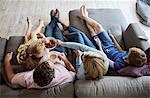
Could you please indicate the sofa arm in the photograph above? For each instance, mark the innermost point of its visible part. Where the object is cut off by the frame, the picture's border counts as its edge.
(135, 37)
(2, 52)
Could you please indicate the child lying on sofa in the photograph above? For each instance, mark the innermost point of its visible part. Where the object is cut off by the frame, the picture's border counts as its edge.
(121, 58)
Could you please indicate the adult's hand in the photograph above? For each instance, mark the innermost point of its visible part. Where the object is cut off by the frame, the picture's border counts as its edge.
(59, 42)
(8, 57)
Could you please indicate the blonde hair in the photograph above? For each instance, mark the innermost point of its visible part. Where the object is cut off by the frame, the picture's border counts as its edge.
(94, 67)
(36, 48)
(137, 57)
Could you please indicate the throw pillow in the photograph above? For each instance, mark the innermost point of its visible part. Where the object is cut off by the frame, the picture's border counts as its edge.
(143, 10)
(135, 71)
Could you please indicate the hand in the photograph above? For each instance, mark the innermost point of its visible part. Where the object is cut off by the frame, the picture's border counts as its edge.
(59, 42)
(62, 56)
(8, 57)
(45, 40)
(77, 52)
(51, 42)
(96, 40)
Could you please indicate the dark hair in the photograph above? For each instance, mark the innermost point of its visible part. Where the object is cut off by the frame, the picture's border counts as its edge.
(43, 74)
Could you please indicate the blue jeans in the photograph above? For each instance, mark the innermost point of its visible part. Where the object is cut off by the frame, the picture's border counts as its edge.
(76, 35)
(53, 30)
(109, 47)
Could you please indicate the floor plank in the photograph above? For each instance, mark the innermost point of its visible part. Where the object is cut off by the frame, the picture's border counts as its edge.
(13, 13)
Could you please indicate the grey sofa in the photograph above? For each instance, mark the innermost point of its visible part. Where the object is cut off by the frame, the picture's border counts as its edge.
(110, 86)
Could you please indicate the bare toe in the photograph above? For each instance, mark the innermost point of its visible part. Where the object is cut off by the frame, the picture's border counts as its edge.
(85, 10)
(41, 22)
(81, 11)
(29, 21)
(52, 13)
(57, 13)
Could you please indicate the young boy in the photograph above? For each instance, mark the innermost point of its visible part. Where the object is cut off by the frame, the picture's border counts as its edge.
(133, 57)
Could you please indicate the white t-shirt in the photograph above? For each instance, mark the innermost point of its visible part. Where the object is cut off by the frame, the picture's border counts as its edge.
(62, 75)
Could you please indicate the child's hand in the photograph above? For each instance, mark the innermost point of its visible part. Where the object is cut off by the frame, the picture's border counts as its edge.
(96, 40)
(45, 40)
(77, 52)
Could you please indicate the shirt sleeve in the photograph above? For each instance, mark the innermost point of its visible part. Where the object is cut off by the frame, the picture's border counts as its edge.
(22, 78)
(80, 68)
(118, 65)
(78, 46)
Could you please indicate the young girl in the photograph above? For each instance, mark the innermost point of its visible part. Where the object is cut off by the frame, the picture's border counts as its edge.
(30, 53)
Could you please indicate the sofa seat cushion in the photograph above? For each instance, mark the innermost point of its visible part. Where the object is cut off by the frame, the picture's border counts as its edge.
(64, 91)
(111, 86)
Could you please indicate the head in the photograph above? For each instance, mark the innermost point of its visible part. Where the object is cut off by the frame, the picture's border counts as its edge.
(36, 49)
(93, 65)
(44, 73)
(136, 57)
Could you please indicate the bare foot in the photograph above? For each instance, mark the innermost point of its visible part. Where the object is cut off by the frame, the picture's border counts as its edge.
(83, 11)
(41, 22)
(29, 22)
(57, 13)
(52, 13)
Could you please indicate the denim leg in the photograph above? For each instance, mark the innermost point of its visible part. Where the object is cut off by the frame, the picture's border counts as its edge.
(107, 43)
(49, 28)
(105, 39)
(74, 37)
(58, 35)
(80, 37)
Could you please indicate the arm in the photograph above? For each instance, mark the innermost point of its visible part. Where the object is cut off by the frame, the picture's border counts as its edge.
(116, 43)
(67, 63)
(78, 46)
(8, 67)
(98, 43)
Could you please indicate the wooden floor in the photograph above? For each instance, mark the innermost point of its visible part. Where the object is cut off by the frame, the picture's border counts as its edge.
(13, 13)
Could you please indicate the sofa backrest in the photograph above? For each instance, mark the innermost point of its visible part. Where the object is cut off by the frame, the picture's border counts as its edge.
(111, 19)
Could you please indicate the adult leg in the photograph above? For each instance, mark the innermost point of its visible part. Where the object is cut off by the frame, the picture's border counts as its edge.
(57, 32)
(52, 24)
(79, 36)
(91, 22)
(75, 35)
